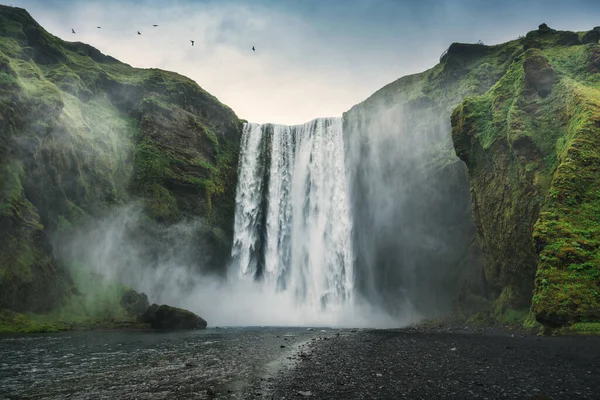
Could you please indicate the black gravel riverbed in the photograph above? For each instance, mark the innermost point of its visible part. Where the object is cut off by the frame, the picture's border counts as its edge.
(420, 364)
(297, 363)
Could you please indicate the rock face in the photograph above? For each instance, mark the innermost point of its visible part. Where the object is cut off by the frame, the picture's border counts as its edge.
(167, 317)
(135, 303)
(539, 75)
(416, 244)
(591, 37)
(531, 145)
(82, 133)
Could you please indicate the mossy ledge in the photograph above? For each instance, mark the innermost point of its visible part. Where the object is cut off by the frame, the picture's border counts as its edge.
(532, 148)
(82, 133)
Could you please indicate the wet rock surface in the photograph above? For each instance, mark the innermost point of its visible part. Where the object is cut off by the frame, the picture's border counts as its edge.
(459, 364)
(167, 317)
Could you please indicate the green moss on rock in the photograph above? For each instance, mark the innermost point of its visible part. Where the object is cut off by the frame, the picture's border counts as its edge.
(531, 144)
(81, 133)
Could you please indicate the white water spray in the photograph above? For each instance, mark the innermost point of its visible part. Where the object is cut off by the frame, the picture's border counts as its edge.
(292, 220)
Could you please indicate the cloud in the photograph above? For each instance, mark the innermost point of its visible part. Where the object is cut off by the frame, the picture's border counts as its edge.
(313, 58)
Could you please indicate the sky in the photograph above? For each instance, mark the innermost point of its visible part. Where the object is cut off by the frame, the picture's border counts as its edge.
(314, 58)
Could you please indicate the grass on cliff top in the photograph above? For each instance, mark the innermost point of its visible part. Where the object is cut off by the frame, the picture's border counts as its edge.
(459, 74)
(88, 62)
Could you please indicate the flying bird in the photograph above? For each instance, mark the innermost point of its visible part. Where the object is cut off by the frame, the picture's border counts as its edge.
(99, 27)
(253, 49)
(72, 30)
(155, 26)
(192, 42)
(139, 33)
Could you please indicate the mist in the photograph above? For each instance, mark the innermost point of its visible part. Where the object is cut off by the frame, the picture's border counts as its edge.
(172, 266)
(411, 208)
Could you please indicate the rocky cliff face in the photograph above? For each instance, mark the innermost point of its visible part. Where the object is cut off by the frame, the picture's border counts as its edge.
(81, 133)
(532, 148)
(414, 235)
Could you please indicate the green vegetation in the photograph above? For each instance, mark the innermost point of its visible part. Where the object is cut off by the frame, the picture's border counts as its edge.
(531, 145)
(81, 133)
(585, 328)
(97, 304)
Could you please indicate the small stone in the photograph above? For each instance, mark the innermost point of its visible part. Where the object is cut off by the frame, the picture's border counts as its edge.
(305, 393)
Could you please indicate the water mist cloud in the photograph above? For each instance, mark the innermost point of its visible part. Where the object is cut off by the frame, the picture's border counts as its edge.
(171, 265)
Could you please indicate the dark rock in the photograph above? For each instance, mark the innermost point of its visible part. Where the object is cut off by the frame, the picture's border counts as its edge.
(461, 55)
(150, 315)
(591, 37)
(552, 320)
(594, 58)
(167, 317)
(134, 303)
(539, 74)
(531, 43)
(545, 28)
(568, 39)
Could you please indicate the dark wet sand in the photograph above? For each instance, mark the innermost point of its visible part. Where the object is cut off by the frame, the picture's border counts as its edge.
(421, 364)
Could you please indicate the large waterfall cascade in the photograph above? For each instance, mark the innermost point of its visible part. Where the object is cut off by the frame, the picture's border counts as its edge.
(292, 220)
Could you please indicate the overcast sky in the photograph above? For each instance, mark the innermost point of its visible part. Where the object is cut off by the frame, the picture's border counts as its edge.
(313, 58)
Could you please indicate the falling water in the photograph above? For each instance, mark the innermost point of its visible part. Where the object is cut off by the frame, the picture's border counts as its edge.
(292, 220)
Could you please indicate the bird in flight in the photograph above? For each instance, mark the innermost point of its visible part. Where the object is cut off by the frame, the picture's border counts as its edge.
(72, 30)
(253, 49)
(99, 27)
(192, 42)
(155, 26)
(139, 33)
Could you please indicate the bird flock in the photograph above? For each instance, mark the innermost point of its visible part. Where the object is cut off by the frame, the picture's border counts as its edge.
(139, 33)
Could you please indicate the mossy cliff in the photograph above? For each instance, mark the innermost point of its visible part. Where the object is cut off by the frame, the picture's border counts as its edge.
(523, 116)
(410, 193)
(81, 133)
(532, 148)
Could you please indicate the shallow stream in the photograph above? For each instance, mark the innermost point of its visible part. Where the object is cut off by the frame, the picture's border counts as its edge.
(211, 363)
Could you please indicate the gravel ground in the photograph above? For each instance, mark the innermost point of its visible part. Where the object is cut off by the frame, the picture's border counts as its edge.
(422, 364)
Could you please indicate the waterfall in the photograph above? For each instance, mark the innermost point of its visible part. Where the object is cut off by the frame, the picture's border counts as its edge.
(292, 230)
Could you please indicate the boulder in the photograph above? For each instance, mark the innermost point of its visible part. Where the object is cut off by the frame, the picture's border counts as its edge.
(167, 317)
(568, 39)
(134, 303)
(149, 315)
(544, 28)
(591, 37)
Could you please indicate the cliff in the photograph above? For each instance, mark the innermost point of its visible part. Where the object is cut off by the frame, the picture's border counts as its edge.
(415, 238)
(517, 229)
(82, 133)
(532, 148)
